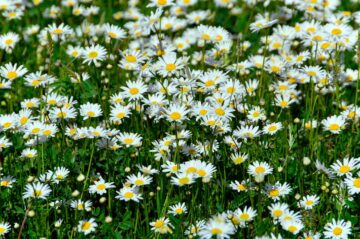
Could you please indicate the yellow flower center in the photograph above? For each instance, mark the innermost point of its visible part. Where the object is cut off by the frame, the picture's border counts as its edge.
(58, 31)
(344, 169)
(336, 31)
(61, 114)
(128, 195)
(93, 54)
(134, 91)
(86, 226)
(6, 125)
(4, 183)
(274, 193)
(139, 182)
(277, 213)
(337, 231)
(112, 34)
(130, 58)
(91, 114)
(356, 182)
(128, 141)
(120, 115)
(159, 223)
(309, 202)
(334, 127)
(220, 111)
(244, 216)
(292, 228)
(191, 170)
(8, 41)
(175, 116)
(216, 231)
(201, 173)
(272, 128)
(47, 132)
(184, 180)
(162, 2)
(101, 186)
(170, 67)
(260, 169)
(11, 74)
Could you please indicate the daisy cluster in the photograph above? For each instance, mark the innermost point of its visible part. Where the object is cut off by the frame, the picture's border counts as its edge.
(179, 119)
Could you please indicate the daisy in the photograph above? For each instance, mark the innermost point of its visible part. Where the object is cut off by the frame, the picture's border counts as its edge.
(176, 113)
(134, 90)
(29, 153)
(4, 143)
(346, 166)
(131, 59)
(245, 215)
(90, 110)
(334, 124)
(239, 187)
(7, 181)
(160, 3)
(178, 209)
(87, 226)
(353, 184)
(277, 190)
(81, 205)
(93, 54)
(138, 180)
(130, 139)
(181, 179)
(100, 186)
(9, 40)
(114, 32)
(74, 51)
(161, 225)
(277, 210)
(259, 170)
(60, 173)
(217, 227)
(12, 71)
(37, 190)
(128, 193)
(272, 128)
(337, 229)
(293, 226)
(4, 228)
(308, 202)
(169, 64)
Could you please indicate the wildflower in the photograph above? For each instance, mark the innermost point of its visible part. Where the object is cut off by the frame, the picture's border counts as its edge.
(87, 226)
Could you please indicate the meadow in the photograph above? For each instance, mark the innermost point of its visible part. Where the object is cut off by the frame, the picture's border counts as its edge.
(180, 119)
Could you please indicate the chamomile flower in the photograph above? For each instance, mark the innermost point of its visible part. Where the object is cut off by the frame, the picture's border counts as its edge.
(134, 89)
(128, 193)
(4, 228)
(37, 190)
(139, 180)
(334, 124)
(308, 202)
(176, 113)
(90, 110)
(9, 40)
(100, 186)
(87, 226)
(161, 225)
(259, 170)
(353, 184)
(130, 139)
(337, 229)
(272, 128)
(94, 54)
(217, 227)
(178, 209)
(12, 71)
(81, 205)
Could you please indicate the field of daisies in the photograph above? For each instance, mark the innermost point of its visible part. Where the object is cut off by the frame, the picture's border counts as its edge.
(180, 119)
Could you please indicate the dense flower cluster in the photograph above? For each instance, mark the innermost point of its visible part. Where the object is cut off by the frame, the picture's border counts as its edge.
(179, 119)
